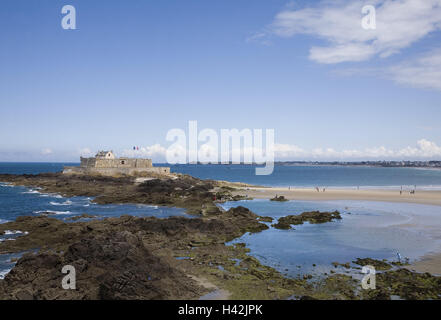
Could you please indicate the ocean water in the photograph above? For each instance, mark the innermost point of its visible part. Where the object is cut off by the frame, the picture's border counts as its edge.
(18, 201)
(33, 167)
(283, 176)
(324, 176)
(367, 229)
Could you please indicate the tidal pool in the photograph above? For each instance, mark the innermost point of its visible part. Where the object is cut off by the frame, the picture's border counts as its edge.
(376, 230)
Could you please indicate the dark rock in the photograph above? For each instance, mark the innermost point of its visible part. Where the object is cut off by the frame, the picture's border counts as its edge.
(311, 217)
(378, 264)
(279, 198)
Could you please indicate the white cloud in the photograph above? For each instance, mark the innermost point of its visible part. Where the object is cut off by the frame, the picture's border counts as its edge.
(152, 151)
(341, 53)
(399, 24)
(46, 151)
(423, 149)
(289, 151)
(423, 72)
(85, 152)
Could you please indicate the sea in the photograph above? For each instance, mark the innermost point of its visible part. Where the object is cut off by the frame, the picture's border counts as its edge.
(379, 230)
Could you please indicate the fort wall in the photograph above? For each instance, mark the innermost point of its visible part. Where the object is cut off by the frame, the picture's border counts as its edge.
(115, 171)
(106, 163)
(116, 163)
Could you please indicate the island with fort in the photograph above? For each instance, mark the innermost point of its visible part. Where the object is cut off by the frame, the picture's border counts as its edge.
(105, 163)
(179, 257)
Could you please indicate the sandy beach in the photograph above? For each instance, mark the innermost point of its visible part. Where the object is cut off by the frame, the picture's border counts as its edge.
(429, 263)
(432, 197)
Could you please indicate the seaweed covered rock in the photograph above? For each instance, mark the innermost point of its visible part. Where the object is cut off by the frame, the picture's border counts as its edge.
(117, 266)
(180, 191)
(279, 198)
(404, 284)
(265, 219)
(129, 257)
(311, 217)
(377, 264)
(346, 265)
(282, 225)
(51, 233)
(244, 219)
(81, 216)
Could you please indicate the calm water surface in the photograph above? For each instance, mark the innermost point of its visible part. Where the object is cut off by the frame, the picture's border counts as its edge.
(368, 229)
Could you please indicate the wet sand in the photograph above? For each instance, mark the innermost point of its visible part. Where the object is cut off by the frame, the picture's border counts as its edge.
(421, 197)
(430, 263)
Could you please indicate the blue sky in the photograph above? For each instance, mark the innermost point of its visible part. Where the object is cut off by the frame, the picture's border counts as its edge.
(131, 71)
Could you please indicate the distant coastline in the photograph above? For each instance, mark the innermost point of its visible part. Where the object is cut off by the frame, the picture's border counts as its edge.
(434, 164)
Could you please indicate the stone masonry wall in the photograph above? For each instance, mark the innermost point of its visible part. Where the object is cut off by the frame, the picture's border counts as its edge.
(116, 163)
(115, 171)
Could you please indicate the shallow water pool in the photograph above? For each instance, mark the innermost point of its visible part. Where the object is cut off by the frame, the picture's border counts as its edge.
(367, 229)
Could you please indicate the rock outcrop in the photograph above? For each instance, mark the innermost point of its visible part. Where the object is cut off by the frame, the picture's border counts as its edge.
(311, 217)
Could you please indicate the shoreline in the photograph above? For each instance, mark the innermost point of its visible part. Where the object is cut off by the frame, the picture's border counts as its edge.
(430, 263)
(429, 197)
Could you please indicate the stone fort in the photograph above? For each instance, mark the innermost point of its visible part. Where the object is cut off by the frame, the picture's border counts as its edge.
(106, 163)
